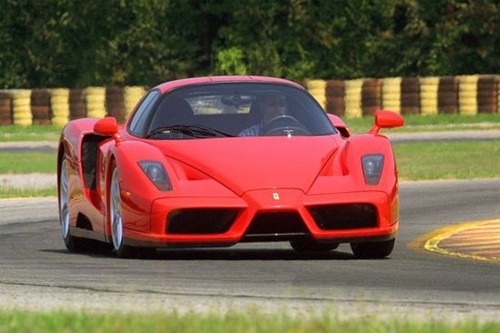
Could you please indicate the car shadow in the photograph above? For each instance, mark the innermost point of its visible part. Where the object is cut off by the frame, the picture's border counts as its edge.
(249, 254)
(222, 254)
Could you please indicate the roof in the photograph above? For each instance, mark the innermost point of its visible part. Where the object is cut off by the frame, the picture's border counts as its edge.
(170, 85)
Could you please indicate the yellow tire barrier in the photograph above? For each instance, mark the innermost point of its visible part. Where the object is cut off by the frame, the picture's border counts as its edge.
(353, 105)
(467, 94)
(21, 107)
(391, 94)
(317, 88)
(132, 96)
(59, 103)
(95, 98)
(429, 87)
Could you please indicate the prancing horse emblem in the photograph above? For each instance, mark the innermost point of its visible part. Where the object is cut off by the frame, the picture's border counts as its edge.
(276, 196)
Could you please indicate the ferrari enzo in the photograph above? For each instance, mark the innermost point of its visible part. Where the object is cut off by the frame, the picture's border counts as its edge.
(216, 161)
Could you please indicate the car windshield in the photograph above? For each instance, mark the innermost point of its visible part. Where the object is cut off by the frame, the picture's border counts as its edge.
(232, 110)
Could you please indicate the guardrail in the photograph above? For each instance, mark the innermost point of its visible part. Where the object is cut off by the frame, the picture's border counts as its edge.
(467, 95)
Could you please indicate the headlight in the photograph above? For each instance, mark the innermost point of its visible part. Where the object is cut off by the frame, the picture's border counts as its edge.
(157, 174)
(372, 168)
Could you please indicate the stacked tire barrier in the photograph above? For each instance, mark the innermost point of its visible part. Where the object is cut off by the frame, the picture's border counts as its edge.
(57, 106)
(21, 102)
(391, 94)
(334, 96)
(5, 108)
(60, 106)
(410, 95)
(40, 106)
(131, 96)
(488, 101)
(353, 98)
(317, 88)
(115, 103)
(77, 104)
(467, 94)
(464, 95)
(429, 95)
(448, 95)
(371, 96)
(96, 102)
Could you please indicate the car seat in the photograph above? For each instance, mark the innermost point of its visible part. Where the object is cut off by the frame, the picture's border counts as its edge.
(173, 111)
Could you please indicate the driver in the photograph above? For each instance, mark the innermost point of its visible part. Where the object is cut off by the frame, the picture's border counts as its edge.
(271, 106)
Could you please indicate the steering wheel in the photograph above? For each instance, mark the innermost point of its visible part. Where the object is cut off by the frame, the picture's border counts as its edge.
(284, 125)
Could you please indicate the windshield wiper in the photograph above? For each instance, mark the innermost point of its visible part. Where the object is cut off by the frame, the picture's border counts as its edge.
(195, 131)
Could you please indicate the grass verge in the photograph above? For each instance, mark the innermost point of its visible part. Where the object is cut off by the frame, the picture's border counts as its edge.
(14, 322)
(437, 123)
(6, 192)
(415, 160)
(448, 160)
(14, 133)
(413, 123)
(27, 162)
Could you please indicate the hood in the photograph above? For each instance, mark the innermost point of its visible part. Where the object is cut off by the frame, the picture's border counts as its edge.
(250, 163)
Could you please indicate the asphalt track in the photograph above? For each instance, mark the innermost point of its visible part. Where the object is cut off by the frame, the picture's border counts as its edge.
(38, 273)
(445, 265)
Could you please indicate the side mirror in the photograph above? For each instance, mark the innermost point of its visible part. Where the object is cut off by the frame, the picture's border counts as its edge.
(339, 124)
(106, 126)
(386, 119)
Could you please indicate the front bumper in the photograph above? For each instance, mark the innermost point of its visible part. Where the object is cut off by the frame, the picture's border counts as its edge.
(269, 215)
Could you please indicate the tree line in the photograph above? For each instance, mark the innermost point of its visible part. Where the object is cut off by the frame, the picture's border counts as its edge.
(70, 43)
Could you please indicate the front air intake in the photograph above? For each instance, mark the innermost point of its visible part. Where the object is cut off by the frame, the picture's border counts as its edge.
(200, 221)
(344, 216)
(276, 226)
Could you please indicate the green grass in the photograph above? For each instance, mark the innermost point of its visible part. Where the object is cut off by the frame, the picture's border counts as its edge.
(442, 122)
(29, 133)
(413, 123)
(415, 160)
(448, 160)
(14, 322)
(23, 163)
(27, 162)
(27, 193)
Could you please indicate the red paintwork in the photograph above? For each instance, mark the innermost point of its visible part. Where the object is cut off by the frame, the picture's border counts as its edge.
(384, 118)
(235, 172)
(106, 126)
(171, 85)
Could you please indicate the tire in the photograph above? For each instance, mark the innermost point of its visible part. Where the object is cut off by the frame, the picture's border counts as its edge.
(373, 250)
(310, 245)
(116, 224)
(73, 244)
(116, 219)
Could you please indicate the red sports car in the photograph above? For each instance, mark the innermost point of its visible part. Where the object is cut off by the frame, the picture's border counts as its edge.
(215, 161)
